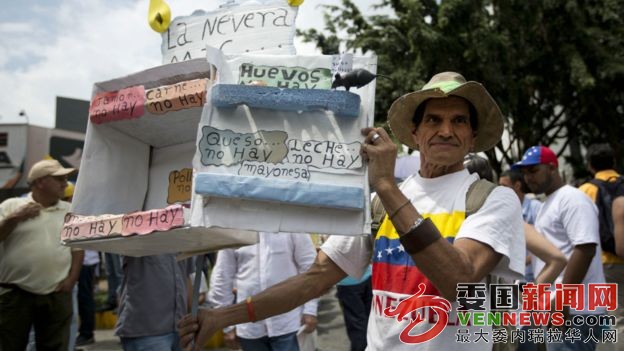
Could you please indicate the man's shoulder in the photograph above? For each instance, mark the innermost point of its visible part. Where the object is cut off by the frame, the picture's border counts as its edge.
(572, 197)
(13, 203)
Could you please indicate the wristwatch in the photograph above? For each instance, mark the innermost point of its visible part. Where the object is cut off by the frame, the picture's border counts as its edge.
(414, 225)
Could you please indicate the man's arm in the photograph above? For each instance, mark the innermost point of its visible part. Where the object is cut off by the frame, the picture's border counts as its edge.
(278, 299)
(26, 212)
(67, 284)
(578, 264)
(618, 225)
(554, 259)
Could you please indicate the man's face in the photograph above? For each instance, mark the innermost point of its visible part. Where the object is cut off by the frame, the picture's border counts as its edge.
(538, 177)
(53, 186)
(444, 136)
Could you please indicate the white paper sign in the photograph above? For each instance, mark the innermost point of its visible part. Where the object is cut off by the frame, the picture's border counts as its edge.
(266, 165)
(267, 28)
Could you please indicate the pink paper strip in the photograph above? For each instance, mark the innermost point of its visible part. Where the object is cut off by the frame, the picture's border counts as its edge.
(155, 220)
(111, 106)
(87, 227)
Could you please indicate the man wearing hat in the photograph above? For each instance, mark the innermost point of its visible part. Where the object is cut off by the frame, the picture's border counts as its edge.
(425, 246)
(569, 220)
(37, 273)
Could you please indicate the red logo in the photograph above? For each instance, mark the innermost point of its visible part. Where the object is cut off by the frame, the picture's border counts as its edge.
(437, 304)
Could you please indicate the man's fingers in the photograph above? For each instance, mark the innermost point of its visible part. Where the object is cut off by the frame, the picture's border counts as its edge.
(186, 342)
(187, 326)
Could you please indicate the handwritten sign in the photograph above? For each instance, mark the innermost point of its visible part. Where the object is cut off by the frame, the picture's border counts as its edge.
(151, 221)
(325, 154)
(82, 227)
(117, 105)
(88, 227)
(180, 185)
(267, 28)
(281, 171)
(285, 77)
(225, 147)
(176, 97)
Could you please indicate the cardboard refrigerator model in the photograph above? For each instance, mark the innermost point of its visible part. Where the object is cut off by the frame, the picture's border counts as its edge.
(278, 149)
(134, 186)
(179, 160)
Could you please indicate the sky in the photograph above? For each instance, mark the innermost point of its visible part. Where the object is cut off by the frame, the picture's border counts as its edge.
(52, 48)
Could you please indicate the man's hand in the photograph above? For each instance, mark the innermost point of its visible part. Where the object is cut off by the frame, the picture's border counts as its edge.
(10, 222)
(66, 285)
(310, 323)
(231, 341)
(198, 329)
(380, 152)
(26, 212)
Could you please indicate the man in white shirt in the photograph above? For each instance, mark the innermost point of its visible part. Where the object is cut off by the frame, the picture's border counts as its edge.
(426, 245)
(569, 220)
(252, 269)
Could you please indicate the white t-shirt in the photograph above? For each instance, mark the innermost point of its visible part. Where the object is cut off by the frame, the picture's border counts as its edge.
(568, 218)
(395, 277)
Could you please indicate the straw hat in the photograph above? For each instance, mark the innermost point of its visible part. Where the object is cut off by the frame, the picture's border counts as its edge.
(444, 85)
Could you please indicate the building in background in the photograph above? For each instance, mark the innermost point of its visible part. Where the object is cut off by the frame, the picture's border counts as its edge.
(22, 144)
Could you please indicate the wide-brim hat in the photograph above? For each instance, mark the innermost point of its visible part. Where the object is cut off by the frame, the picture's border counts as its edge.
(443, 85)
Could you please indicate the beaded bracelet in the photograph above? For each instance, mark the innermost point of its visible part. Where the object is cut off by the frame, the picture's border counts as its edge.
(251, 313)
(399, 209)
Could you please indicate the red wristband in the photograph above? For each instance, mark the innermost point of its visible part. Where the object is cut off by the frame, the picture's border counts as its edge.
(250, 310)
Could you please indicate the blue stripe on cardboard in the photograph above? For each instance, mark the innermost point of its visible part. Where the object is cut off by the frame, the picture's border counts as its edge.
(342, 103)
(286, 191)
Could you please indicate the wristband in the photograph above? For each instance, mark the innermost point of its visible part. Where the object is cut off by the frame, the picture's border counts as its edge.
(420, 235)
(251, 313)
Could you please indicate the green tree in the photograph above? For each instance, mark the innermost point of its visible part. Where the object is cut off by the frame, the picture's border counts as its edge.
(555, 67)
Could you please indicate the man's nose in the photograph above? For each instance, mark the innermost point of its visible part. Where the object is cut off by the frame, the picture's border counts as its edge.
(446, 129)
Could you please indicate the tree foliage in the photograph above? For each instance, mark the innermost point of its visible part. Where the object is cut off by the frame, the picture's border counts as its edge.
(555, 67)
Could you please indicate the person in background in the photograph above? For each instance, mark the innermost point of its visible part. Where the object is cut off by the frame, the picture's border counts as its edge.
(154, 296)
(83, 299)
(569, 220)
(253, 268)
(37, 273)
(86, 300)
(355, 297)
(114, 276)
(601, 163)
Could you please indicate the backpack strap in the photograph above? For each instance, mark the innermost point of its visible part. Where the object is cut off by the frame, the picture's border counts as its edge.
(477, 193)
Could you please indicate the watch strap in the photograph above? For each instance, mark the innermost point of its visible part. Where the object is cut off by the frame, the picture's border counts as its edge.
(420, 235)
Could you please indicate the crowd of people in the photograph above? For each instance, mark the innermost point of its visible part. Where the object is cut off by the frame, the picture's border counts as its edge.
(444, 226)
